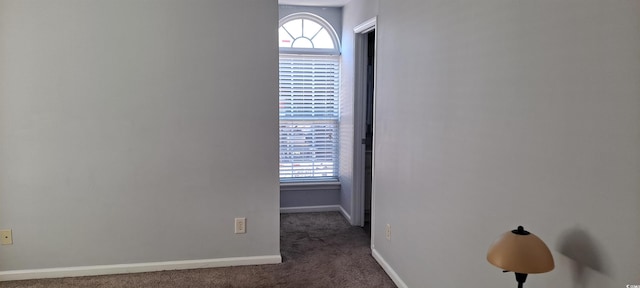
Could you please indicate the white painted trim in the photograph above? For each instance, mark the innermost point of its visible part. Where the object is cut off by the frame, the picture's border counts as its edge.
(305, 186)
(373, 145)
(308, 209)
(387, 268)
(345, 214)
(318, 19)
(136, 267)
(359, 125)
(366, 26)
(326, 208)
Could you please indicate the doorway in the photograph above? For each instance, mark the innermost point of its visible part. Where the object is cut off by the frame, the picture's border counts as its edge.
(364, 119)
(368, 139)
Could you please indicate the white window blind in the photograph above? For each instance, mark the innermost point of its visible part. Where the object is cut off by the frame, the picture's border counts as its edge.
(309, 114)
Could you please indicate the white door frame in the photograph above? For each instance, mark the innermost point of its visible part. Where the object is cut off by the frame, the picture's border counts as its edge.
(359, 124)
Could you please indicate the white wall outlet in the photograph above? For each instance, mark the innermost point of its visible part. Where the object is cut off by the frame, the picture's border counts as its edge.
(241, 225)
(387, 231)
(5, 237)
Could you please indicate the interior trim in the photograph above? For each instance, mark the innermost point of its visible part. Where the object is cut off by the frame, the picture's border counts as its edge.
(387, 268)
(327, 185)
(136, 267)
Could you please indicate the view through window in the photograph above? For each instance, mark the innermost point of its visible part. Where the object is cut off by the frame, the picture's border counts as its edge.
(309, 104)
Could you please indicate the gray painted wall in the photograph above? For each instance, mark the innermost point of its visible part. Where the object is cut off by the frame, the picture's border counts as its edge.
(302, 198)
(135, 131)
(506, 113)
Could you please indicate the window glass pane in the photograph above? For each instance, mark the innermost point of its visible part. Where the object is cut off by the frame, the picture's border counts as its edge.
(309, 118)
(309, 102)
(302, 43)
(308, 34)
(308, 149)
(323, 40)
(285, 40)
(294, 27)
(310, 28)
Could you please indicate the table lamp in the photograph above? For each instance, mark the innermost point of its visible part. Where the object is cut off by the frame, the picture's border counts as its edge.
(521, 252)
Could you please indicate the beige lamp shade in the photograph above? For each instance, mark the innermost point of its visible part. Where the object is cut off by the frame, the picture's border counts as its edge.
(521, 252)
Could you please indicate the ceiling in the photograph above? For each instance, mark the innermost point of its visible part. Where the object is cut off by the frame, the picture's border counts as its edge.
(325, 3)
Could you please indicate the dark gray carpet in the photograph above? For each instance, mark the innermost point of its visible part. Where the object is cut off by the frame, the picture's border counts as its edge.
(319, 250)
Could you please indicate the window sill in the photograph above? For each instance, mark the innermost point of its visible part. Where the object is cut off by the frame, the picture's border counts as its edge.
(324, 185)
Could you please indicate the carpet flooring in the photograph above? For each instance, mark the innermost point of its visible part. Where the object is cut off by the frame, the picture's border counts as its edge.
(319, 250)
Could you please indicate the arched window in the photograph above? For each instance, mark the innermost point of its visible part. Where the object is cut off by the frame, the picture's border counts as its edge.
(306, 33)
(309, 103)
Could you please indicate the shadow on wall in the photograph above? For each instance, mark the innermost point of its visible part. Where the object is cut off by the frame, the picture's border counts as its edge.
(586, 254)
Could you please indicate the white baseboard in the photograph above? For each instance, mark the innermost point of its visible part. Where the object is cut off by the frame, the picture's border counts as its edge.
(345, 214)
(136, 267)
(307, 209)
(392, 274)
(325, 208)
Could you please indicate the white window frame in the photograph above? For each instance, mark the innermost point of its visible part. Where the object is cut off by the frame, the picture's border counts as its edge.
(315, 51)
(309, 182)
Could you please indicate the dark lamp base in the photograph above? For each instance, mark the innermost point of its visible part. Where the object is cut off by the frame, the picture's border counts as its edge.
(520, 277)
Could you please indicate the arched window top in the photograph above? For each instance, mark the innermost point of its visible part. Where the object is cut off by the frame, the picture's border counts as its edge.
(306, 33)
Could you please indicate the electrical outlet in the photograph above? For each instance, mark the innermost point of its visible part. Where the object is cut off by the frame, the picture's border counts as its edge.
(241, 225)
(387, 231)
(5, 237)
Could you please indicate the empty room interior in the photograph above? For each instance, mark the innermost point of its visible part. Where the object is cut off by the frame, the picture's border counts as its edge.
(142, 136)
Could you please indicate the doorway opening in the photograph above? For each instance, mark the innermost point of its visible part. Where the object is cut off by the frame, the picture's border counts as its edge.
(368, 139)
(364, 118)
